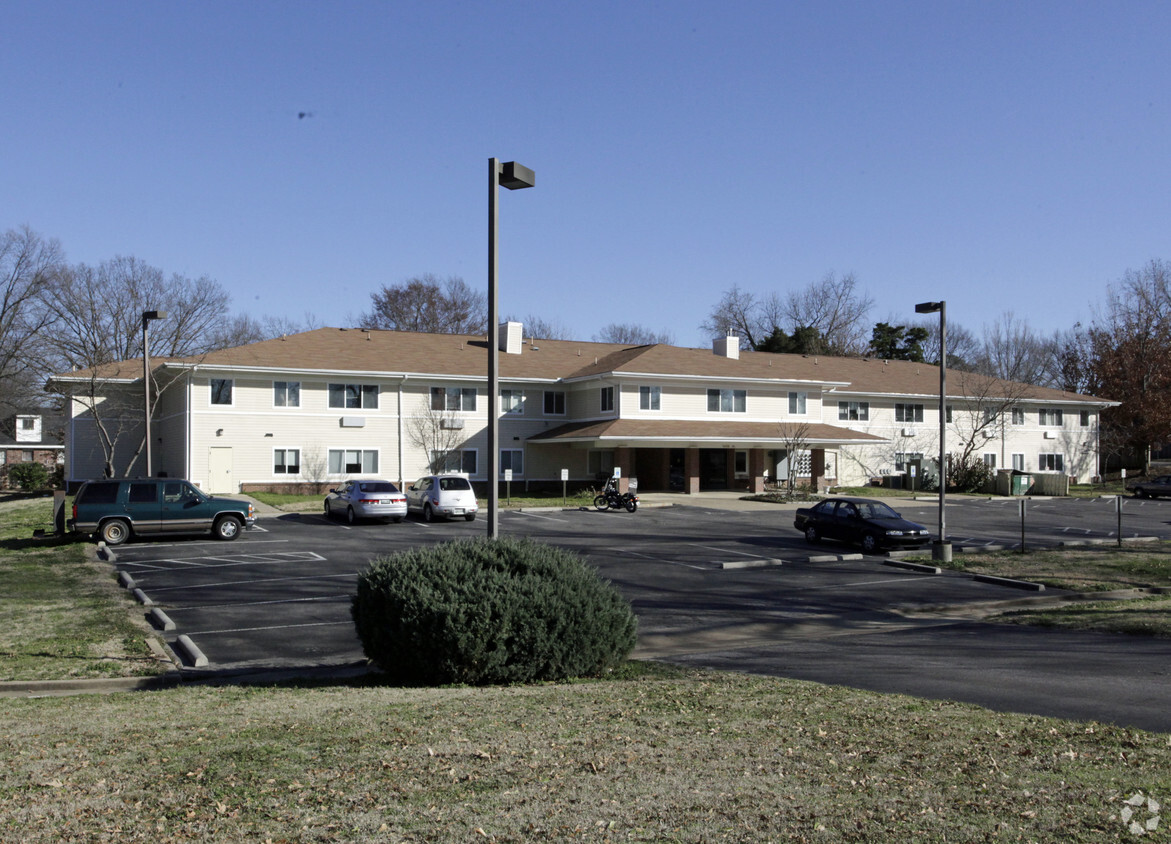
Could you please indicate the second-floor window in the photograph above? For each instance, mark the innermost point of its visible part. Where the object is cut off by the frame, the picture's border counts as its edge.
(512, 401)
(363, 396)
(908, 412)
(727, 401)
(1018, 416)
(1050, 416)
(650, 398)
(286, 393)
(221, 391)
(607, 399)
(554, 403)
(453, 398)
(797, 403)
(854, 411)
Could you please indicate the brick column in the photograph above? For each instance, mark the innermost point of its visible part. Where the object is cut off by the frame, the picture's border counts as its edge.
(817, 469)
(624, 460)
(756, 470)
(691, 471)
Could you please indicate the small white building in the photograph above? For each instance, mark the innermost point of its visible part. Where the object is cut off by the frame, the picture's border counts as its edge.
(324, 405)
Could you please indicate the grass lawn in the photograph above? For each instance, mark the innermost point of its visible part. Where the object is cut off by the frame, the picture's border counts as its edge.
(667, 756)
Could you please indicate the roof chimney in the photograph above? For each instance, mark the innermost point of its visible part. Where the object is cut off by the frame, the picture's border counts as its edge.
(727, 347)
(511, 337)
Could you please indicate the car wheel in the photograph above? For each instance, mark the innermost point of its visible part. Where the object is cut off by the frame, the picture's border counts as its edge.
(328, 511)
(1140, 492)
(869, 543)
(469, 517)
(228, 528)
(115, 532)
(350, 517)
(811, 535)
(428, 513)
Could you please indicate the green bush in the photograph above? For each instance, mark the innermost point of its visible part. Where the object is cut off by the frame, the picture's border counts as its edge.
(490, 612)
(28, 476)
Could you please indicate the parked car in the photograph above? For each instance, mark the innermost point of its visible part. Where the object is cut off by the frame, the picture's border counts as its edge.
(1152, 488)
(861, 521)
(443, 496)
(116, 510)
(366, 500)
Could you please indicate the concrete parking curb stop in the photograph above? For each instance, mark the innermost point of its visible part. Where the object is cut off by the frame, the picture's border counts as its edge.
(1009, 581)
(189, 652)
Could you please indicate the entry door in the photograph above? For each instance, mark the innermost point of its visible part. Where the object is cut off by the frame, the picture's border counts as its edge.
(219, 471)
(713, 468)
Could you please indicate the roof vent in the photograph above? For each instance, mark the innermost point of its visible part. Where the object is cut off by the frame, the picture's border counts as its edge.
(727, 347)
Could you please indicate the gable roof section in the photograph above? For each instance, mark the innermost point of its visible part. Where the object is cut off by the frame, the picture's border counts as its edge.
(388, 353)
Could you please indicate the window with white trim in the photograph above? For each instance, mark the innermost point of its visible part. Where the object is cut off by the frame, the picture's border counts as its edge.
(514, 459)
(797, 403)
(908, 412)
(1051, 416)
(554, 403)
(1050, 462)
(512, 401)
(1018, 462)
(221, 391)
(453, 398)
(854, 411)
(1084, 418)
(727, 401)
(650, 398)
(462, 460)
(606, 400)
(990, 460)
(1018, 416)
(286, 461)
(286, 393)
(363, 396)
(353, 461)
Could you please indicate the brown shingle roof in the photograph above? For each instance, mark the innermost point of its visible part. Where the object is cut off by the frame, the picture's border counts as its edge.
(669, 429)
(455, 355)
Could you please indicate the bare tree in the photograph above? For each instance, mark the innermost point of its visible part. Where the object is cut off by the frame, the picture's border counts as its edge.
(1012, 351)
(437, 432)
(427, 304)
(632, 334)
(736, 314)
(545, 329)
(794, 439)
(28, 264)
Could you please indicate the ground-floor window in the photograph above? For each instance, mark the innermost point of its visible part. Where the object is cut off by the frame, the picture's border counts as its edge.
(1018, 462)
(741, 465)
(600, 463)
(286, 461)
(461, 460)
(514, 459)
(1050, 462)
(350, 461)
(990, 460)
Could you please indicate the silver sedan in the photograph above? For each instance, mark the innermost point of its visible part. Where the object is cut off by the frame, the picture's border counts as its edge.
(366, 500)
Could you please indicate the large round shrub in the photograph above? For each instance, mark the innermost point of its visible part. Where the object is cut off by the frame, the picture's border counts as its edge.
(490, 611)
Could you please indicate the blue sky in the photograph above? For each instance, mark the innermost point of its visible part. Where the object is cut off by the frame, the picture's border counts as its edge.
(1004, 156)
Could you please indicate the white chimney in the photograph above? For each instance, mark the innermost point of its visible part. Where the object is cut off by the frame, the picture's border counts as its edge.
(511, 337)
(727, 347)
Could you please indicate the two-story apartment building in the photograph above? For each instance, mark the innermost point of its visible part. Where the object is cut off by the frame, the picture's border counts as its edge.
(323, 405)
(35, 438)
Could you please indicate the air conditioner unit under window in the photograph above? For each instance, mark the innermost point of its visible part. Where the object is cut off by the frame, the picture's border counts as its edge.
(1050, 435)
(908, 432)
(451, 424)
(989, 435)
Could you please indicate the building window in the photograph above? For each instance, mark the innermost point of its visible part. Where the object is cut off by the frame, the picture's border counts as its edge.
(462, 461)
(27, 456)
(904, 458)
(947, 414)
(221, 391)
(1018, 462)
(363, 396)
(990, 461)
(554, 403)
(512, 401)
(514, 459)
(854, 411)
(1084, 418)
(1051, 416)
(350, 461)
(908, 412)
(1050, 462)
(286, 461)
(286, 393)
(797, 403)
(727, 401)
(28, 423)
(991, 414)
(650, 398)
(741, 464)
(1018, 416)
(607, 399)
(453, 398)
(600, 463)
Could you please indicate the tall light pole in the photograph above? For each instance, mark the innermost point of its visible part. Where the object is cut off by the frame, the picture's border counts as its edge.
(941, 550)
(147, 316)
(512, 176)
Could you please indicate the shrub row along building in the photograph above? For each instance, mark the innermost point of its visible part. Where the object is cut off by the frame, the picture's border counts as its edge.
(306, 410)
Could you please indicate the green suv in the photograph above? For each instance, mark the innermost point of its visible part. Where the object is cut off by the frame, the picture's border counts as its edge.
(115, 510)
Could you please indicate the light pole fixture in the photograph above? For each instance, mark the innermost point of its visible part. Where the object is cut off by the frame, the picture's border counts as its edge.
(147, 316)
(941, 550)
(512, 176)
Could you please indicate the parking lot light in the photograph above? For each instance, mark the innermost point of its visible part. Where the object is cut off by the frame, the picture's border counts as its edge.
(941, 550)
(147, 316)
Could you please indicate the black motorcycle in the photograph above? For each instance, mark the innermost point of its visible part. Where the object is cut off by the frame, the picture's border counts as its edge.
(611, 499)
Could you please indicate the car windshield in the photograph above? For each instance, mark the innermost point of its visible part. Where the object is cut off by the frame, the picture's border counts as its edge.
(876, 510)
(381, 486)
(454, 484)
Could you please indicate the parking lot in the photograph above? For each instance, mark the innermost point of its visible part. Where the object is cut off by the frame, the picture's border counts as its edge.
(727, 588)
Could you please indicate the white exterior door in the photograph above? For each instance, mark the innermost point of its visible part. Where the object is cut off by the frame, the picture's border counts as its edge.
(219, 471)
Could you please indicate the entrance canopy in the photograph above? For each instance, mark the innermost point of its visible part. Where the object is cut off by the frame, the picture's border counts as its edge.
(674, 433)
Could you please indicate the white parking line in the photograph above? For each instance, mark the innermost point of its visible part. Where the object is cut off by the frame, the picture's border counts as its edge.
(539, 516)
(235, 560)
(273, 627)
(189, 588)
(730, 551)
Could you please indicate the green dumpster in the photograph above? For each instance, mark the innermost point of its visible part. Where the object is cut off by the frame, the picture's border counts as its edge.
(1021, 484)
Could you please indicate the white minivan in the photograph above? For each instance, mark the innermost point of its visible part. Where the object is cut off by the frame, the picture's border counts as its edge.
(445, 496)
